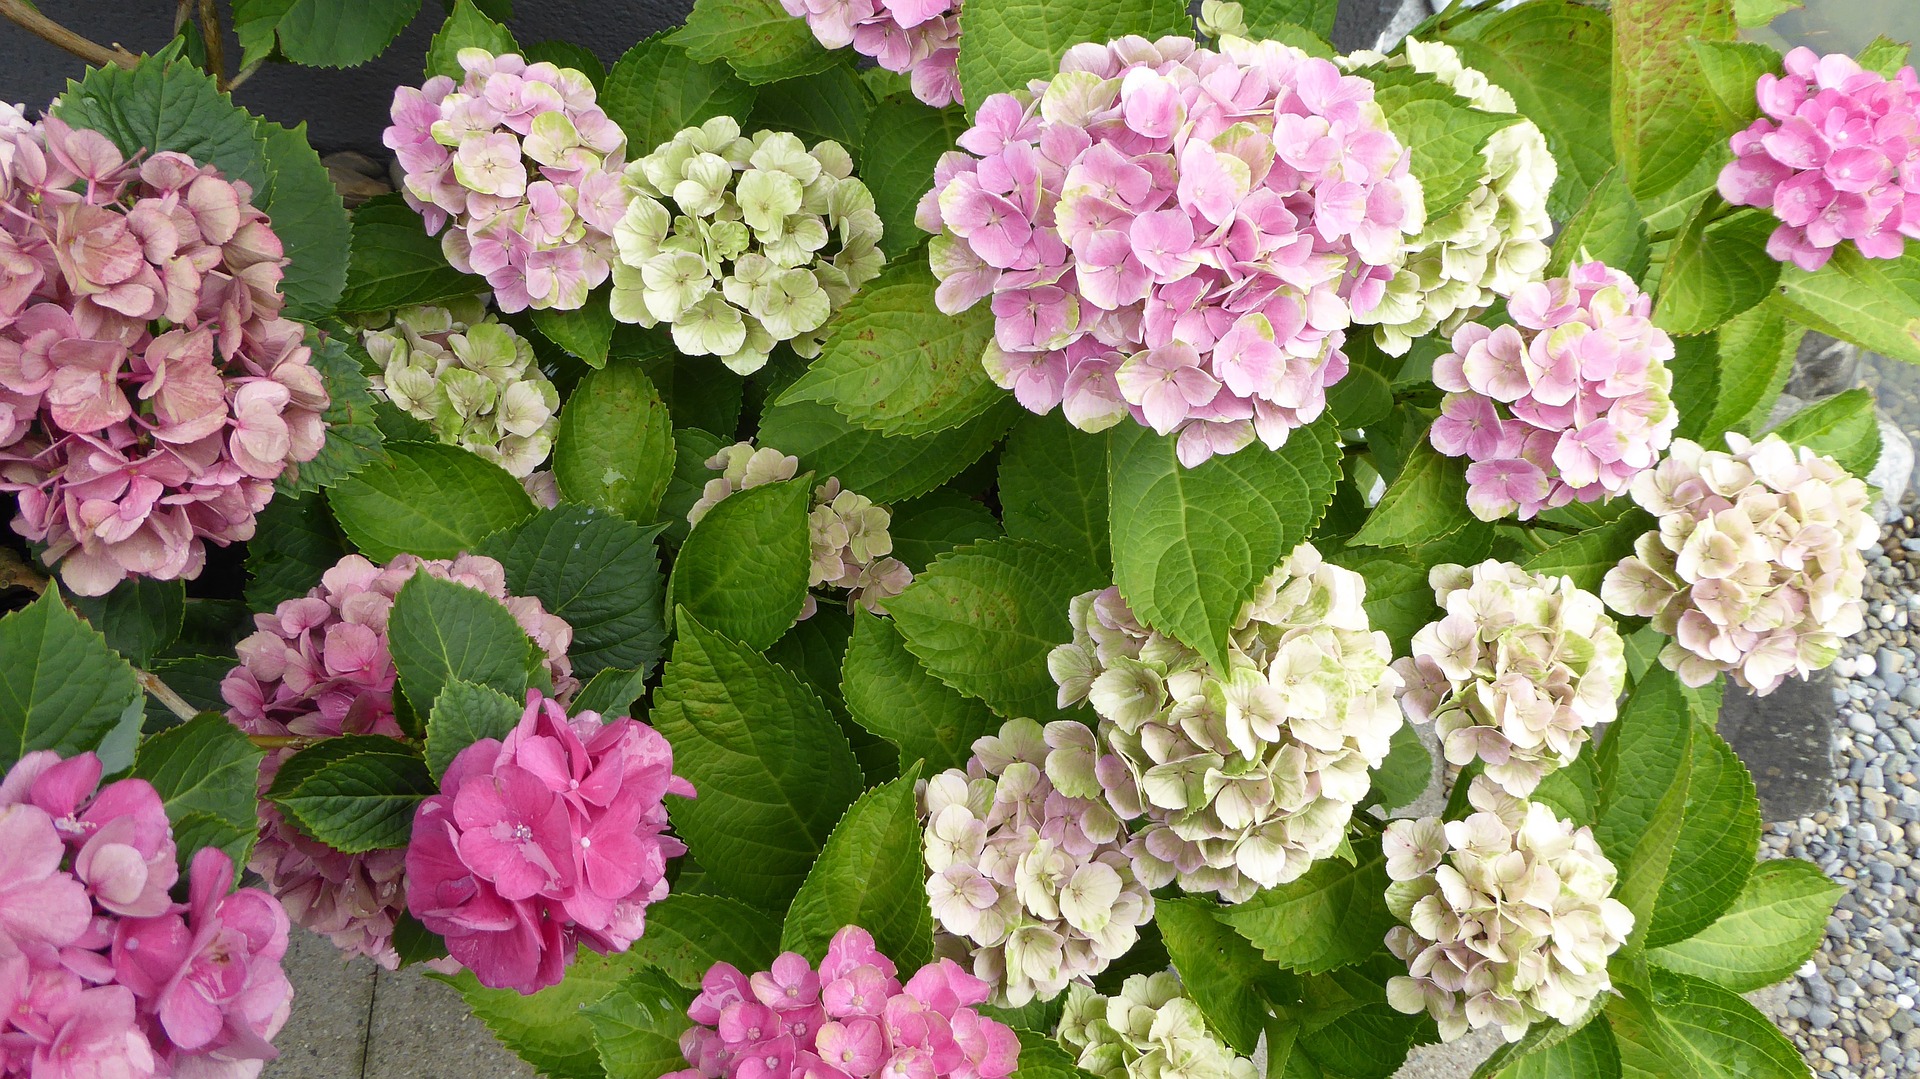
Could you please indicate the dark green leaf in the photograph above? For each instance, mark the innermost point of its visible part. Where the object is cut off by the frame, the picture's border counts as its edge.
(883, 468)
(1053, 488)
(611, 692)
(687, 934)
(1731, 69)
(598, 571)
(465, 713)
(567, 54)
(1315, 15)
(931, 525)
(205, 765)
(1009, 42)
(394, 263)
(294, 542)
(467, 27)
(1588, 556)
(1220, 970)
(890, 694)
(139, 618)
(1607, 229)
(320, 33)
(757, 38)
(743, 568)
(61, 687)
(656, 89)
(427, 499)
(828, 105)
(168, 104)
(1715, 270)
(1587, 1053)
(636, 1028)
(354, 437)
(871, 873)
(1842, 427)
(552, 1029)
(1428, 500)
(904, 139)
(1442, 133)
(1645, 763)
(307, 215)
(584, 332)
(1713, 854)
(440, 630)
(361, 802)
(1333, 916)
(1042, 1058)
(692, 449)
(615, 444)
(1757, 350)
(1404, 775)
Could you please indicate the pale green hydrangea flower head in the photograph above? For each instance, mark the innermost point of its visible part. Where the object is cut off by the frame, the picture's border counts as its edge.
(471, 379)
(738, 244)
(1151, 1030)
(1509, 916)
(1241, 778)
(1517, 673)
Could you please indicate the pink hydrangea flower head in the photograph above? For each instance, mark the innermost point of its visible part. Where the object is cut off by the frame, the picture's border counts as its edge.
(551, 837)
(916, 38)
(1175, 234)
(1835, 156)
(1755, 569)
(318, 666)
(1568, 403)
(524, 165)
(150, 392)
(850, 1019)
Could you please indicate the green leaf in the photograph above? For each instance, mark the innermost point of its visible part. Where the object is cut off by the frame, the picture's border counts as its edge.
(1053, 488)
(904, 139)
(139, 618)
(353, 434)
(1043, 1058)
(427, 499)
(203, 766)
(61, 687)
(168, 104)
(744, 566)
(692, 449)
(933, 524)
(1348, 1028)
(1664, 124)
(1778, 921)
(611, 692)
(1315, 15)
(1687, 1027)
(1586, 1053)
(193, 832)
(687, 934)
(294, 542)
(1548, 55)
(1009, 42)
(828, 105)
(467, 27)
(893, 363)
(1731, 69)
(773, 770)
(465, 713)
(440, 630)
(552, 1029)
(392, 262)
(615, 444)
(882, 467)
(307, 215)
(890, 694)
(1426, 501)
(1874, 303)
(1752, 14)
(585, 332)
(1220, 970)
(1607, 229)
(1843, 427)
(1884, 55)
(757, 38)
(1195, 542)
(1333, 916)
(1399, 598)
(358, 802)
(656, 89)
(1713, 854)
(1404, 775)
(637, 1027)
(1442, 133)
(1696, 383)
(320, 33)
(567, 54)
(983, 618)
(1716, 270)
(1757, 350)
(1645, 764)
(694, 397)
(598, 571)
(1587, 556)
(872, 873)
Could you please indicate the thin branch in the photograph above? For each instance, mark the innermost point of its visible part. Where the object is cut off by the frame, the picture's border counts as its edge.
(24, 14)
(216, 44)
(161, 692)
(243, 75)
(279, 741)
(182, 10)
(15, 573)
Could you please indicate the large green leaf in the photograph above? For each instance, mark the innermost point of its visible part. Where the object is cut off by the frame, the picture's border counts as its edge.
(1757, 350)
(1442, 133)
(692, 449)
(872, 873)
(1399, 597)
(1221, 970)
(356, 797)
(656, 89)
(772, 769)
(1334, 915)
(1646, 762)
(1587, 556)
(903, 141)
(294, 542)
(307, 215)
(441, 630)
(1874, 303)
(61, 687)
(1193, 543)
(757, 38)
(1715, 270)
(1011, 41)
(1053, 488)
(615, 444)
(166, 103)
(893, 363)
(1731, 70)
(885, 468)
(1608, 229)
(1683, 1026)
(392, 262)
(465, 713)
(354, 436)
(1664, 124)
(204, 767)
(139, 617)
(553, 1029)
(466, 27)
(584, 332)
(1427, 501)
(687, 934)
(320, 33)
(428, 499)
(1778, 921)
(637, 1027)
(829, 105)
(1347, 1027)
(1843, 427)
(1586, 1053)
(931, 525)
(890, 694)
(598, 571)
(1315, 15)
(1713, 854)
(743, 569)
(983, 618)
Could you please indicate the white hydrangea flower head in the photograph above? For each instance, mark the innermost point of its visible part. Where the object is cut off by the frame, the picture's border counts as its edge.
(470, 378)
(1493, 242)
(1517, 673)
(1026, 862)
(740, 243)
(1241, 778)
(1508, 916)
(1152, 1030)
(1756, 568)
(848, 533)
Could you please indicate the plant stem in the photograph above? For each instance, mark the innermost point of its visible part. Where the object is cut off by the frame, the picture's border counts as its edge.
(165, 695)
(279, 741)
(25, 15)
(216, 45)
(17, 574)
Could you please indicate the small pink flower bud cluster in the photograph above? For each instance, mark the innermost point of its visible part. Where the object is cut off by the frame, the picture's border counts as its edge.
(917, 38)
(1028, 864)
(847, 532)
(1175, 234)
(150, 392)
(1517, 674)
(1836, 157)
(551, 838)
(1568, 403)
(525, 165)
(318, 666)
(852, 1019)
(1755, 569)
(101, 972)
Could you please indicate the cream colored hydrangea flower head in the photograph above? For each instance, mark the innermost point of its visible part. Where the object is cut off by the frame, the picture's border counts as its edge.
(1026, 862)
(1490, 244)
(1518, 672)
(1508, 916)
(1152, 1030)
(1242, 778)
(471, 379)
(740, 243)
(1756, 568)
(848, 533)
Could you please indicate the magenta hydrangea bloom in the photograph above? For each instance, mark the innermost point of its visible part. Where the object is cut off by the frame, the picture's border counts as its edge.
(525, 166)
(552, 837)
(101, 973)
(917, 38)
(318, 667)
(1174, 234)
(1836, 157)
(1570, 402)
(150, 392)
(851, 1019)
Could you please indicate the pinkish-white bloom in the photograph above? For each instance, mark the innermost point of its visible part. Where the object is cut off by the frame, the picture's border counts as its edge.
(1149, 1030)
